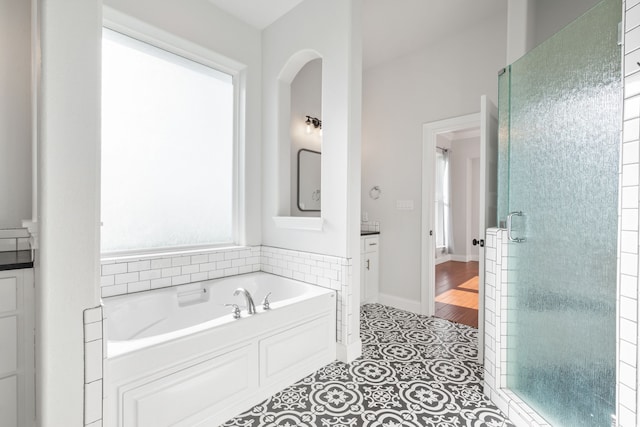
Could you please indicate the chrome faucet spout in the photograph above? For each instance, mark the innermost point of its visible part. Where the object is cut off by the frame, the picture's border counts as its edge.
(251, 308)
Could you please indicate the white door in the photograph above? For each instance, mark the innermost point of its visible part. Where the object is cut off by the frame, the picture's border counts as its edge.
(488, 197)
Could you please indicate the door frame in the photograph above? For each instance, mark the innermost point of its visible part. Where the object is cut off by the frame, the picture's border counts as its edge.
(430, 132)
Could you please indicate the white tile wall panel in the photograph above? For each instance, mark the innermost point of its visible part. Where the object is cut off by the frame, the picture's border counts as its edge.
(94, 354)
(633, 17)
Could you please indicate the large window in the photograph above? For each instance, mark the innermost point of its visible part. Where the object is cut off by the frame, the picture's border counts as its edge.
(167, 149)
(443, 202)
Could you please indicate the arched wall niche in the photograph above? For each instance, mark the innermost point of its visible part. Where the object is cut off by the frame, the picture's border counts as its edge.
(299, 95)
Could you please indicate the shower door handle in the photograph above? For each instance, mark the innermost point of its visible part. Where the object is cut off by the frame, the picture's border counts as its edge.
(509, 220)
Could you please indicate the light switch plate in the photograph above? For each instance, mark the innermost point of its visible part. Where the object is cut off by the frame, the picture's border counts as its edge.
(404, 205)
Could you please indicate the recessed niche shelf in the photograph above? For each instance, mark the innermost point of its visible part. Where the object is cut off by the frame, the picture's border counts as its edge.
(299, 223)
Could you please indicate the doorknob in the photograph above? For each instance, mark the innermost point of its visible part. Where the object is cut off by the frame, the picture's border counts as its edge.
(478, 242)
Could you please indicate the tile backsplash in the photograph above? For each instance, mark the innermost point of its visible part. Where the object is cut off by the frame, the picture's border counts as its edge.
(135, 274)
(126, 275)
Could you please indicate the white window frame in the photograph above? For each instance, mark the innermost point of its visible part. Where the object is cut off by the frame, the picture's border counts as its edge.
(139, 30)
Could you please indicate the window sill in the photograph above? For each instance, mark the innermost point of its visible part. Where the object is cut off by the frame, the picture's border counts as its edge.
(143, 255)
(299, 222)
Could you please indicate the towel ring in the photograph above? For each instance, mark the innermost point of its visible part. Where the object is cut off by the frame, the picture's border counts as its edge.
(375, 192)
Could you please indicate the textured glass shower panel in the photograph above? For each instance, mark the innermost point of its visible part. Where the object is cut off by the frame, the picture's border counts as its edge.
(565, 109)
(504, 81)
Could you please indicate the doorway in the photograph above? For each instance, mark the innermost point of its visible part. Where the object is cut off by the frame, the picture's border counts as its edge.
(487, 121)
(456, 216)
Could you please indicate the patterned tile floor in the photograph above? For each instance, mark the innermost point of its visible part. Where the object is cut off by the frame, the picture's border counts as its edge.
(415, 371)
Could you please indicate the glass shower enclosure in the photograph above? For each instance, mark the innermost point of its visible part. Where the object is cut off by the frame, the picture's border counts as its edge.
(560, 114)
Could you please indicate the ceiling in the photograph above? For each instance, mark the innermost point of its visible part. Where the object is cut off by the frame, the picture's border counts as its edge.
(257, 13)
(390, 28)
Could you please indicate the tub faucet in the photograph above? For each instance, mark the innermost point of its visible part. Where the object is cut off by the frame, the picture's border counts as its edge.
(251, 308)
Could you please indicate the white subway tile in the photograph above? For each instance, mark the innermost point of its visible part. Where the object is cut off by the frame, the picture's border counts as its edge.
(631, 130)
(245, 269)
(180, 261)
(126, 278)
(139, 265)
(161, 263)
(107, 280)
(161, 283)
(627, 375)
(171, 272)
(626, 417)
(232, 271)
(628, 286)
(630, 197)
(110, 269)
(630, 175)
(629, 219)
(109, 291)
(629, 308)
(238, 262)
(199, 277)
(92, 315)
(632, 18)
(631, 42)
(150, 274)
(632, 106)
(629, 331)
(93, 361)
(629, 242)
(628, 264)
(216, 257)
(208, 266)
(221, 265)
(199, 259)
(628, 353)
(92, 331)
(215, 274)
(231, 255)
(143, 285)
(189, 269)
(180, 280)
(93, 402)
(626, 396)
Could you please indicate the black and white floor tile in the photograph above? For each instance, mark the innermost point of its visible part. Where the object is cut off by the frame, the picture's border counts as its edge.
(415, 371)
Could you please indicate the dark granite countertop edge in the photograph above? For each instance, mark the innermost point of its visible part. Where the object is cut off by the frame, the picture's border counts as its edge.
(369, 233)
(15, 260)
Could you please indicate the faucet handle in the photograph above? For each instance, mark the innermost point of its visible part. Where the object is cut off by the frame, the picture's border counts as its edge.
(236, 310)
(265, 302)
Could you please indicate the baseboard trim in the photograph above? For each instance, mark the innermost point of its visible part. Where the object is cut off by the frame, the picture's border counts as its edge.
(400, 303)
(464, 258)
(442, 259)
(347, 353)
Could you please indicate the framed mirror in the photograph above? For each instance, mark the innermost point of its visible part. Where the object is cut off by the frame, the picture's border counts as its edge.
(309, 196)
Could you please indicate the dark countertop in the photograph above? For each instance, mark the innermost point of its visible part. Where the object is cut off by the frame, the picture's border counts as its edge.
(15, 260)
(368, 233)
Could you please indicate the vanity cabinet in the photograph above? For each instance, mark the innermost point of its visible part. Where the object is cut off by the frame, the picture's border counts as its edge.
(16, 348)
(369, 269)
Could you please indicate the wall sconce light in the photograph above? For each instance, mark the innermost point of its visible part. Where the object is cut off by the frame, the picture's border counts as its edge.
(317, 124)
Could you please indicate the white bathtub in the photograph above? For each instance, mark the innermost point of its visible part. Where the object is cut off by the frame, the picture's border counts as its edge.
(177, 357)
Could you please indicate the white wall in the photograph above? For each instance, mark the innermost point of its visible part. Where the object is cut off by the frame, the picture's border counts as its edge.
(67, 263)
(327, 29)
(550, 16)
(200, 22)
(306, 100)
(444, 80)
(15, 112)
(533, 21)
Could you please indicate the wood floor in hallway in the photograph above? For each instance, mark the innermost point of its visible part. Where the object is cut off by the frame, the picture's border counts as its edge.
(457, 292)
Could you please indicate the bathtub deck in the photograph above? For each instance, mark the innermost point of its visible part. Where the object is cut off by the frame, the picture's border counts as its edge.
(415, 371)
